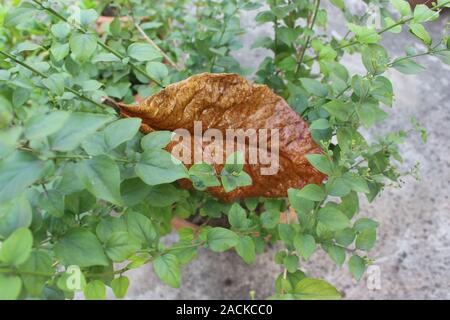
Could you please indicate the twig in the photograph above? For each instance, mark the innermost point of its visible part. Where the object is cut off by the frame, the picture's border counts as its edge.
(43, 75)
(308, 39)
(100, 43)
(150, 41)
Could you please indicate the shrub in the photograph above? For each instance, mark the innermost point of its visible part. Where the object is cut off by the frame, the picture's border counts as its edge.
(71, 200)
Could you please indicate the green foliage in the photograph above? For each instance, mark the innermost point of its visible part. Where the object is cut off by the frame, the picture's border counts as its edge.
(81, 189)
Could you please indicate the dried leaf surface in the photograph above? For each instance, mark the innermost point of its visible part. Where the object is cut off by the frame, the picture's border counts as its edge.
(228, 101)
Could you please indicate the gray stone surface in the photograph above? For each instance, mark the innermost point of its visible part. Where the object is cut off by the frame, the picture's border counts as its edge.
(413, 248)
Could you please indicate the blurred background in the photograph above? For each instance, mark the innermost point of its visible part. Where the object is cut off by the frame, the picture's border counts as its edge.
(413, 247)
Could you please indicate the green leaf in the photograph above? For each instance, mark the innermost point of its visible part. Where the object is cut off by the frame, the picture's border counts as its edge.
(339, 109)
(39, 262)
(312, 192)
(402, 7)
(290, 262)
(17, 172)
(321, 163)
(15, 16)
(337, 254)
(20, 96)
(55, 83)
(157, 70)
(120, 286)
(246, 249)
(158, 167)
(101, 177)
(314, 87)
(14, 214)
(141, 228)
(95, 290)
(120, 246)
(363, 34)
(407, 66)
(315, 289)
(444, 56)
(365, 224)
(221, 239)
(95, 144)
(16, 249)
(143, 52)
(423, 14)
(375, 58)
(355, 182)
(287, 35)
(80, 247)
(83, 46)
(105, 57)
(370, 113)
(333, 218)
(76, 129)
(338, 3)
(120, 131)
(391, 25)
(115, 27)
(167, 268)
(344, 237)
(203, 175)
(420, 32)
(286, 233)
(337, 187)
(235, 163)
(231, 182)
(360, 86)
(265, 16)
(88, 16)
(10, 287)
(237, 216)
(305, 244)
(156, 140)
(319, 124)
(269, 219)
(357, 266)
(366, 239)
(43, 125)
(443, 3)
(60, 30)
(109, 225)
(59, 50)
(134, 191)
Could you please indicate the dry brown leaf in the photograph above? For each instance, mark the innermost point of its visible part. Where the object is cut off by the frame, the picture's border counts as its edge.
(228, 101)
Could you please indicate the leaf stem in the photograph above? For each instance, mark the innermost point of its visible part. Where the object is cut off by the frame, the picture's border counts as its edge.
(151, 42)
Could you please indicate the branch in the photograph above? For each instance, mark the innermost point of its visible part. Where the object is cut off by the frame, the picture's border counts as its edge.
(151, 42)
(43, 75)
(308, 39)
(100, 43)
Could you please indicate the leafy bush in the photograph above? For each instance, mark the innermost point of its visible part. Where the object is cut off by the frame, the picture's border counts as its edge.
(76, 196)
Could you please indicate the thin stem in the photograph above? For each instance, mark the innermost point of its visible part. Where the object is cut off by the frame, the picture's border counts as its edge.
(43, 75)
(151, 42)
(308, 39)
(100, 43)
(429, 52)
